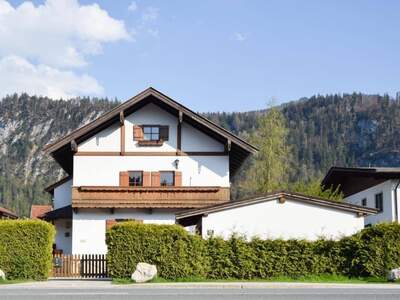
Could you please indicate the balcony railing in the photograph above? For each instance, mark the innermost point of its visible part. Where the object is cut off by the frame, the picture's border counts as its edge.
(147, 197)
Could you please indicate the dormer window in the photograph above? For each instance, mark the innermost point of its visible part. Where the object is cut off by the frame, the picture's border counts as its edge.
(151, 133)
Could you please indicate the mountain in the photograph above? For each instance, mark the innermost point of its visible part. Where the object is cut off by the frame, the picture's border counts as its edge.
(347, 130)
(27, 123)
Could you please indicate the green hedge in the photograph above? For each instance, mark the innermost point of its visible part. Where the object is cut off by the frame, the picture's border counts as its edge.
(26, 248)
(177, 254)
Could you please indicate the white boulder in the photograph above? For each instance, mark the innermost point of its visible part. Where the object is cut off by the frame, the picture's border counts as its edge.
(2, 275)
(394, 274)
(144, 272)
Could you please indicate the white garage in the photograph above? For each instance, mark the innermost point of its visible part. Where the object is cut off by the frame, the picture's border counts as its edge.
(278, 215)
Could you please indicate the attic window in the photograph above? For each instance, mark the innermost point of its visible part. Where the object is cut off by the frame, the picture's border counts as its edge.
(151, 133)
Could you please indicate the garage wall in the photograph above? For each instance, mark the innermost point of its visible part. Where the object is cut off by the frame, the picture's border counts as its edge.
(274, 220)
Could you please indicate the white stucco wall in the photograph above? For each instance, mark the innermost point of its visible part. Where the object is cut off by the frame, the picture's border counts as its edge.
(62, 195)
(89, 226)
(291, 219)
(196, 170)
(195, 140)
(106, 140)
(62, 241)
(150, 115)
(109, 138)
(387, 215)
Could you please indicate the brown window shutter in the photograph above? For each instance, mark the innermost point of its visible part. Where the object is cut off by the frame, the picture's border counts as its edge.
(110, 223)
(178, 178)
(137, 133)
(146, 179)
(164, 133)
(155, 178)
(123, 179)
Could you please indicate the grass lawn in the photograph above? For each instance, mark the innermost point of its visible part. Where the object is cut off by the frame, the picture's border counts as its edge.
(328, 278)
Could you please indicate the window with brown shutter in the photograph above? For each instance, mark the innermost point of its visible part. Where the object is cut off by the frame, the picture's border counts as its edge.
(135, 178)
(123, 179)
(151, 135)
(167, 178)
(155, 178)
(164, 133)
(137, 133)
(146, 179)
(178, 178)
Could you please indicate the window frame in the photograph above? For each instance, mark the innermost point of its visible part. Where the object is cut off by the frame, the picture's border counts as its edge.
(379, 201)
(151, 133)
(364, 202)
(141, 178)
(173, 177)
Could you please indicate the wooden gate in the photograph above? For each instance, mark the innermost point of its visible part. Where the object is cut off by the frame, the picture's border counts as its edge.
(80, 266)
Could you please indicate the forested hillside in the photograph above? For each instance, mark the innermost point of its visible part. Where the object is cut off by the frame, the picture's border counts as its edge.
(347, 130)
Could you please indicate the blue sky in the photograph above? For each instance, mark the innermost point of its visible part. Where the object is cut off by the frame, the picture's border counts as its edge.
(216, 55)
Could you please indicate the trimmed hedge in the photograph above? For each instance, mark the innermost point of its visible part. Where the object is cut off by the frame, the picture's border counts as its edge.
(26, 248)
(178, 254)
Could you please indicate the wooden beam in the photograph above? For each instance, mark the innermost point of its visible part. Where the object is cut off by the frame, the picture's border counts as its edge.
(282, 199)
(74, 146)
(143, 153)
(228, 145)
(179, 134)
(122, 132)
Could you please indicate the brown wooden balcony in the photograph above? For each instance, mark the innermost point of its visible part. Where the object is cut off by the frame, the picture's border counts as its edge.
(147, 197)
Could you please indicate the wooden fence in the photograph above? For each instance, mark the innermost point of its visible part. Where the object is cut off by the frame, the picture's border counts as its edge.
(80, 266)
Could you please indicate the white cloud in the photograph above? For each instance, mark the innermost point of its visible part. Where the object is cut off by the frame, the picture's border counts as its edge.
(240, 37)
(20, 76)
(41, 46)
(58, 33)
(133, 6)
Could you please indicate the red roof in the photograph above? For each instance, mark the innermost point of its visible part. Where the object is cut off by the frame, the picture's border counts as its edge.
(38, 210)
(7, 213)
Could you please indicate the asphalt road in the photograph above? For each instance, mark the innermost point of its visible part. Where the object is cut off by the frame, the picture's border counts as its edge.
(201, 292)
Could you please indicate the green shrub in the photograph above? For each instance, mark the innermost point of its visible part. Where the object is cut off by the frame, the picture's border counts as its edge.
(175, 253)
(373, 251)
(26, 249)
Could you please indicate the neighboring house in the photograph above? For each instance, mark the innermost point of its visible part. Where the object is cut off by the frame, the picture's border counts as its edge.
(7, 214)
(38, 210)
(278, 215)
(146, 160)
(369, 187)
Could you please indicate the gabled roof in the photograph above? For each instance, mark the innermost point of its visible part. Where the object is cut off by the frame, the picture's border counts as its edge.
(50, 188)
(59, 213)
(276, 196)
(38, 210)
(7, 213)
(354, 180)
(61, 149)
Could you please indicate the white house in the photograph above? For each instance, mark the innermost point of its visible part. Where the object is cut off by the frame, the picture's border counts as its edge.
(278, 215)
(369, 187)
(145, 160)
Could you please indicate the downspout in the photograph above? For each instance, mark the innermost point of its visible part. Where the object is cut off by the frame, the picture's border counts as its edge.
(396, 213)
